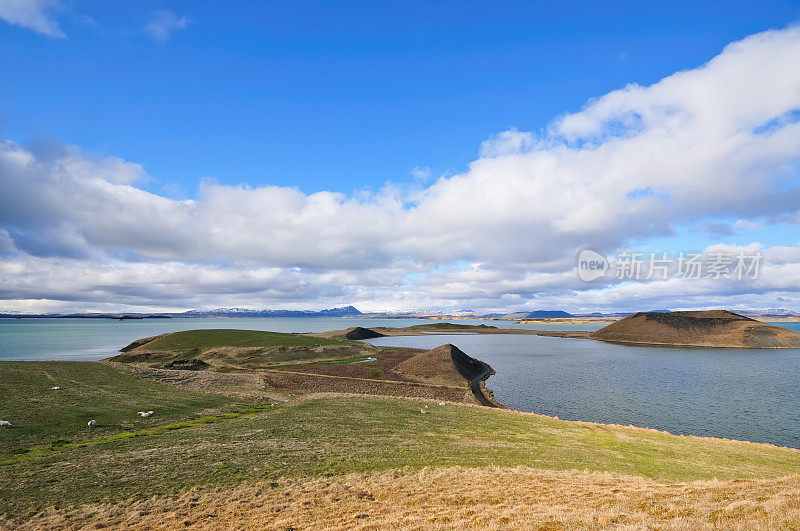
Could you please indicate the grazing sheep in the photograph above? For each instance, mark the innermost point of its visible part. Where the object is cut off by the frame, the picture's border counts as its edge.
(5, 424)
(145, 414)
(442, 403)
(56, 388)
(423, 411)
(92, 423)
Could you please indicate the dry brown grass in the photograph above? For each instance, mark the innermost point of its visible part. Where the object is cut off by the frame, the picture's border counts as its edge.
(456, 498)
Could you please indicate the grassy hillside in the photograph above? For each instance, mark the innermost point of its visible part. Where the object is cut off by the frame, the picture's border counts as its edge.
(41, 415)
(275, 455)
(226, 349)
(177, 450)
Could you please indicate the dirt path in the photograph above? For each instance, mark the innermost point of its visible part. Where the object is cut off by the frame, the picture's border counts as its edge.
(357, 379)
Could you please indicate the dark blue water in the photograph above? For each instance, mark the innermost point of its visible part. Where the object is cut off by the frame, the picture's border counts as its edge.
(747, 394)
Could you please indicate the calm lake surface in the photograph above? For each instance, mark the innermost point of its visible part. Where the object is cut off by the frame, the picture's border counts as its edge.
(95, 339)
(744, 394)
(747, 394)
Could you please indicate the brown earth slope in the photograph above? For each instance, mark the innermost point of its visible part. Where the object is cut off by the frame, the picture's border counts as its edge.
(448, 365)
(713, 328)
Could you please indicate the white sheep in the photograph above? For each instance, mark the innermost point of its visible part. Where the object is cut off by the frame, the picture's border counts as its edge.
(145, 414)
(442, 403)
(56, 388)
(5, 424)
(92, 423)
(423, 411)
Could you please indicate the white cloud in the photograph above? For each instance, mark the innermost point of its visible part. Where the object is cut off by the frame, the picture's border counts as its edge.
(748, 224)
(508, 142)
(33, 15)
(700, 147)
(163, 23)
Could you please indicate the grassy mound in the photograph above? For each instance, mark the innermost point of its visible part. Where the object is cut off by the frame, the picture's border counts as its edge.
(205, 339)
(227, 349)
(359, 333)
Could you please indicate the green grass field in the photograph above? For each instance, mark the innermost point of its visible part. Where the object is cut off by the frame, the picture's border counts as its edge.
(178, 449)
(41, 415)
(203, 339)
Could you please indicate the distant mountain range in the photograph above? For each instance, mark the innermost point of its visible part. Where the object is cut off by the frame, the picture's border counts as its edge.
(352, 311)
(539, 314)
(344, 311)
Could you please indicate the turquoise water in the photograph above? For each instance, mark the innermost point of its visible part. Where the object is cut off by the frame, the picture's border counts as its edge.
(744, 394)
(94, 339)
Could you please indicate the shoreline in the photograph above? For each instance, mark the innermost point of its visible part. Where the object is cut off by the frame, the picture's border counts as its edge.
(476, 383)
(486, 392)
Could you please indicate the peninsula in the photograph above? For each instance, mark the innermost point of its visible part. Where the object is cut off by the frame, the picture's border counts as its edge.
(282, 365)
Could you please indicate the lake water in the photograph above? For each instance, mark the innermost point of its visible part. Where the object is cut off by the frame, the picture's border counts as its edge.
(744, 394)
(95, 339)
(747, 394)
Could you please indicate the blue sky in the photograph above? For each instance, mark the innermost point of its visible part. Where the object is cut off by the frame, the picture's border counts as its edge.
(338, 95)
(393, 155)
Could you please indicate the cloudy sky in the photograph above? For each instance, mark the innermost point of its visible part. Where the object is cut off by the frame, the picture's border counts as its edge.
(158, 156)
